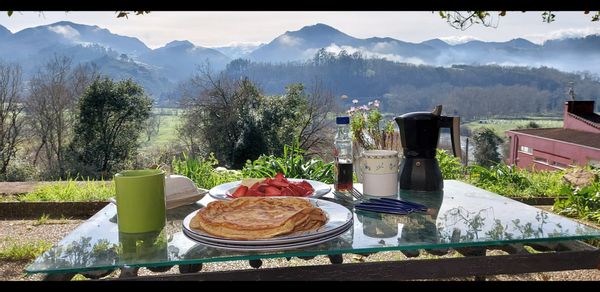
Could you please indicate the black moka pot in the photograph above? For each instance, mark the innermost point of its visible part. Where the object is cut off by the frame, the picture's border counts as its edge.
(419, 135)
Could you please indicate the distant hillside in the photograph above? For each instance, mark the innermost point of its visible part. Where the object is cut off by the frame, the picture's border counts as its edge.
(162, 68)
(4, 32)
(470, 91)
(177, 60)
(117, 56)
(571, 54)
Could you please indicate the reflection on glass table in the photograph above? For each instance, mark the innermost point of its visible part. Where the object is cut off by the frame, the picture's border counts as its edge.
(461, 216)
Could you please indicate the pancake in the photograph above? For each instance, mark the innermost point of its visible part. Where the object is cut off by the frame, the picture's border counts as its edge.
(250, 218)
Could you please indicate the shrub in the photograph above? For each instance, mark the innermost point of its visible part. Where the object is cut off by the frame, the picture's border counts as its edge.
(293, 164)
(20, 170)
(449, 165)
(23, 251)
(513, 182)
(580, 202)
(71, 191)
(202, 171)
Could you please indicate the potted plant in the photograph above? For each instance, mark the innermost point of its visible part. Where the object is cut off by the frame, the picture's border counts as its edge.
(370, 131)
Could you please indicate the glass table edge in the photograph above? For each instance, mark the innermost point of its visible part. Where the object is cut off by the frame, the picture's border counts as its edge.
(309, 253)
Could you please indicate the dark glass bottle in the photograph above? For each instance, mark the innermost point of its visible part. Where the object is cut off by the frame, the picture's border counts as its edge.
(343, 158)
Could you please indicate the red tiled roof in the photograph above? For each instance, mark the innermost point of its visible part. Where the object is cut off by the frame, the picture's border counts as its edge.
(565, 135)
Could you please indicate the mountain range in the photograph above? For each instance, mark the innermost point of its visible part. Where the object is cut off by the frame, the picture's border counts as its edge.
(160, 69)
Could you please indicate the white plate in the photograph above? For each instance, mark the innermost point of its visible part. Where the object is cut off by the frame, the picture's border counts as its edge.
(221, 191)
(338, 218)
(272, 247)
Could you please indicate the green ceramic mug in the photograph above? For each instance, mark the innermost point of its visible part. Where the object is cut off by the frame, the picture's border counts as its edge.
(140, 200)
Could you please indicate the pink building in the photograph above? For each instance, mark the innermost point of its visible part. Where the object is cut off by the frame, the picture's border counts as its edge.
(576, 143)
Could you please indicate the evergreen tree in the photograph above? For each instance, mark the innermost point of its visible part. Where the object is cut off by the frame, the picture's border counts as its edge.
(111, 120)
(486, 147)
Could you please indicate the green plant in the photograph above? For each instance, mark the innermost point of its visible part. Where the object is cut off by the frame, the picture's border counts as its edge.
(42, 220)
(71, 191)
(449, 165)
(583, 202)
(202, 171)
(21, 170)
(293, 164)
(366, 127)
(513, 182)
(15, 251)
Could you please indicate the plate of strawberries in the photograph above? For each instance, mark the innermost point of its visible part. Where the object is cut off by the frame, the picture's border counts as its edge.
(270, 187)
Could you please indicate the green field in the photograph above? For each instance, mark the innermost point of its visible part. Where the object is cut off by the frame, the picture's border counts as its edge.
(167, 133)
(500, 126)
(171, 118)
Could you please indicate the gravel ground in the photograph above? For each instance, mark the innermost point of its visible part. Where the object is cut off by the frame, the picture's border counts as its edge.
(53, 230)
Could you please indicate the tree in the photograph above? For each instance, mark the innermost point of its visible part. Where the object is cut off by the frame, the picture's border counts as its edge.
(11, 117)
(465, 19)
(231, 118)
(312, 120)
(220, 114)
(111, 120)
(486, 147)
(52, 109)
(152, 126)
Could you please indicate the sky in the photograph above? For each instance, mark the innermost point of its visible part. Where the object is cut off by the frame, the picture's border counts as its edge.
(223, 28)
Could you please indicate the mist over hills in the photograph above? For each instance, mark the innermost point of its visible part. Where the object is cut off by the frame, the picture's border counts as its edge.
(160, 70)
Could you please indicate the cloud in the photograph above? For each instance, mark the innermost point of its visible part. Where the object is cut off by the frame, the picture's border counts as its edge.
(563, 34)
(366, 53)
(250, 45)
(383, 46)
(457, 40)
(66, 30)
(289, 40)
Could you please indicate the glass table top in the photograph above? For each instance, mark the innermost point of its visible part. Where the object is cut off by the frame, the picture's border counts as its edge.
(463, 215)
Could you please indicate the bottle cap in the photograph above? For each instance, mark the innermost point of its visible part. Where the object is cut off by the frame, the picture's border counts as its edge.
(342, 120)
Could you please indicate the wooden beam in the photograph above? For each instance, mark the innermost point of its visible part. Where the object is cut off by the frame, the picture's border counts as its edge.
(409, 269)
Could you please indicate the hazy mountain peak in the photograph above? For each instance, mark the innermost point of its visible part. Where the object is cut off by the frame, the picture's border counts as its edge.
(73, 24)
(380, 39)
(434, 41)
(177, 43)
(4, 31)
(316, 29)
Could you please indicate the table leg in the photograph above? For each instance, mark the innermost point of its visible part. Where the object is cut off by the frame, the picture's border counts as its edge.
(159, 269)
(59, 277)
(336, 258)
(129, 272)
(191, 268)
(96, 274)
(411, 253)
(255, 263)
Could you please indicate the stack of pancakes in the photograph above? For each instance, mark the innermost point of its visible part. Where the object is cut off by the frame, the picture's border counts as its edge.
(250, 218)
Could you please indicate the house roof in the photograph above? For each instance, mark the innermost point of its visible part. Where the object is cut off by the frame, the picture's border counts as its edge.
(565, 135)
(594, 118)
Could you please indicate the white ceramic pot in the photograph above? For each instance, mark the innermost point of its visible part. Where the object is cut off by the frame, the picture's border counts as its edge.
(379, 170)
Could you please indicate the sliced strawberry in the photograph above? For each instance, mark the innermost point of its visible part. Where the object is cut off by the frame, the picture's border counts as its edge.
(286, 191)
(272, 191)
(255, 193)
(307, 186)
(240, 191)
(255, 186)
(279, 176)
(278, 184)
(298, 190)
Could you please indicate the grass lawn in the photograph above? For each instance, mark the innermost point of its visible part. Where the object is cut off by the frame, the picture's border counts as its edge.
(500, 126)
(167, 133)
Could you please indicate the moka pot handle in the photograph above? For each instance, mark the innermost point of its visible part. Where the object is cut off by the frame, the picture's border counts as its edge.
(454, 124)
